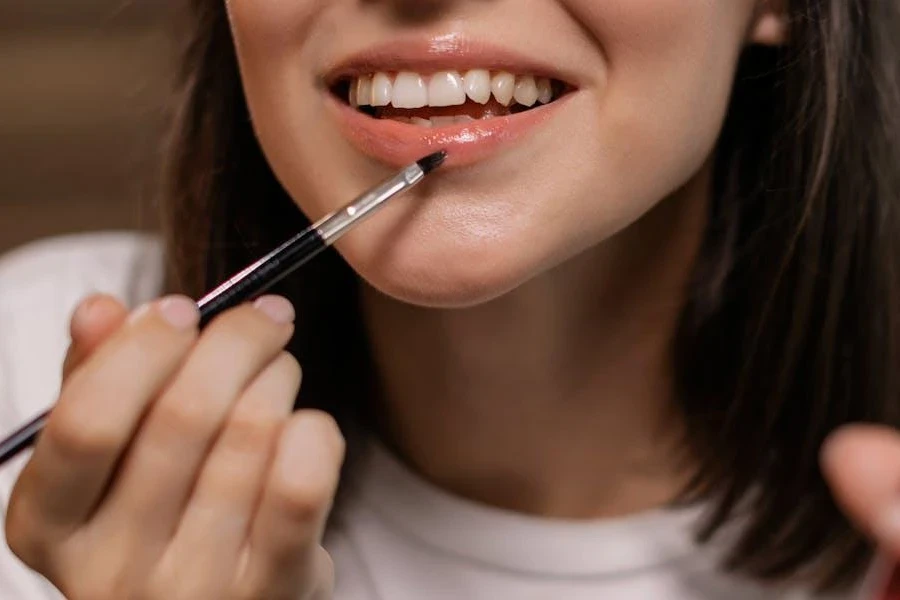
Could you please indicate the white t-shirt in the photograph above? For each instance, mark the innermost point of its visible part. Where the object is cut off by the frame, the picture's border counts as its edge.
(398, 537)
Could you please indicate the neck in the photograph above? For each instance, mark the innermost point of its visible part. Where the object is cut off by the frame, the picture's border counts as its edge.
(556, 399)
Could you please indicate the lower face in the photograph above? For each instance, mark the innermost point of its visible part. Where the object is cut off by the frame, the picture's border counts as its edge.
(614, 106)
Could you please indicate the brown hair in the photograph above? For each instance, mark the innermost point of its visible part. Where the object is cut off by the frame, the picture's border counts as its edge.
(793, 322)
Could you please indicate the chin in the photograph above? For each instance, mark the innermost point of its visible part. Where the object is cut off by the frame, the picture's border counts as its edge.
(443, 273)
(445, 289)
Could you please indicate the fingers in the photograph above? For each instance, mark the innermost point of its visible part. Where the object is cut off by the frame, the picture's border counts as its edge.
(862, 465)
(98, 411)
(216, 523)
(284, 547)
(95, 319)
(182, 425)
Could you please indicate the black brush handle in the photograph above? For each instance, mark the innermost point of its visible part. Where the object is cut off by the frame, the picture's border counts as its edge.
(22, 438)
(244, 286)
(260, 276)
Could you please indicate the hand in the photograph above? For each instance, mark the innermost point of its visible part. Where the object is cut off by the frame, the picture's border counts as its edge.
(862, 466)
(172, 467)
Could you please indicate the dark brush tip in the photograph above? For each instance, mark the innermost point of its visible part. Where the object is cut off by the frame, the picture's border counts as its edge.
(432, 161)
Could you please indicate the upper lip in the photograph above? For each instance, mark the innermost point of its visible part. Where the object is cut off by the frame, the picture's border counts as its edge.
(443, 53)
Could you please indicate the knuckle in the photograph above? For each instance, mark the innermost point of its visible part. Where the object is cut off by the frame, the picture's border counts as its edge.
(298, 501)
(248, 432)
(185, 416)
(80, 434)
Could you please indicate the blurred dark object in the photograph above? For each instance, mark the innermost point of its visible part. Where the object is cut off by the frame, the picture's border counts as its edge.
(83, 98)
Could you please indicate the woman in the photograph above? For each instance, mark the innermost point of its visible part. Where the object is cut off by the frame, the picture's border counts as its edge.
(598, 354)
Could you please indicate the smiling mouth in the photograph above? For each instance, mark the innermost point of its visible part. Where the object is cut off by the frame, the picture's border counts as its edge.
(446, 98)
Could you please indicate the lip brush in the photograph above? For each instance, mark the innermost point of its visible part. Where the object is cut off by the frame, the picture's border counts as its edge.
(272, 268)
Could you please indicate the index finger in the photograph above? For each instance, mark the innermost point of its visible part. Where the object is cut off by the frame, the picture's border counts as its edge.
(99, 409)
(96, 318)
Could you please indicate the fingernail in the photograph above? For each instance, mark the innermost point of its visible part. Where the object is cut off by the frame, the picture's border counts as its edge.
(83, 312)
(277, 308)
(179, 311)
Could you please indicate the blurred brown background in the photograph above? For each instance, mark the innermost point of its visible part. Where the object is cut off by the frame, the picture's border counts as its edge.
(83, 90)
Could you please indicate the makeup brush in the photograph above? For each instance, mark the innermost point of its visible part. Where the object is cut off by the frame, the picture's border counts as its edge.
(272, 268)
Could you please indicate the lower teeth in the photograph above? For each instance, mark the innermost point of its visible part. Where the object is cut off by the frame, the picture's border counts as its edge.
(434, 121)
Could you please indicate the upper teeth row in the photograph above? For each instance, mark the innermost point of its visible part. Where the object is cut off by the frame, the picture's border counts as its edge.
(448, 88)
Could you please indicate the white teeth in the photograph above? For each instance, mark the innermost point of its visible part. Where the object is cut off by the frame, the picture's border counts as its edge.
(410, 91)
(478, 85)
(436, 121)
(364, 90)
(382, 90)
(446, 89)
(503, 85)
(442, 121)
(545, 90)
(526, 92)
(449, 121)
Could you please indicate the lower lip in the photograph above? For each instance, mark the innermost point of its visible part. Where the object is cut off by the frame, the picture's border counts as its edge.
(399, 144)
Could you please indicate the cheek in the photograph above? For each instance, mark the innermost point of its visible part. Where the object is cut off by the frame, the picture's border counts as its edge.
(655, 28)
(670, 66)
(277, 43)
(261, 25)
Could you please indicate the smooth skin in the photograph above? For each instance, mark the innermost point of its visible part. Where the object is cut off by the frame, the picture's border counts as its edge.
(172, 466)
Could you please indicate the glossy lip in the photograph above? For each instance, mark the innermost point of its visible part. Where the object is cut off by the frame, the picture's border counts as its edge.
(398, 144)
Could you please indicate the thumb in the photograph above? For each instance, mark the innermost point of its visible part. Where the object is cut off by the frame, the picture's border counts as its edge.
(862, 466)
(95, 319)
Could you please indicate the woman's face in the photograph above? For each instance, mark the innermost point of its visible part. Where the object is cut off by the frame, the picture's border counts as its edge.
(639, 92)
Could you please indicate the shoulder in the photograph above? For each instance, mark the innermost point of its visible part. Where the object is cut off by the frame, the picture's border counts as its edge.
(40, 285)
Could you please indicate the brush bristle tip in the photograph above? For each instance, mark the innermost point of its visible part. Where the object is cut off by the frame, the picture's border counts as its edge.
(432, 161)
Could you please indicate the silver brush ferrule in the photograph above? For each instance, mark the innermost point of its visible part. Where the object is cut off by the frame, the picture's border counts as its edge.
(335, 225)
